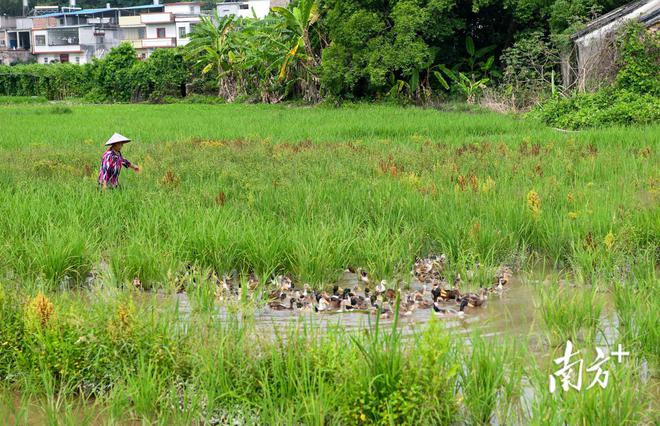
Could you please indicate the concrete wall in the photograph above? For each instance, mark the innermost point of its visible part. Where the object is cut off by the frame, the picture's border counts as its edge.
(8, 57)
(183, 9)
(74, 58)
(596, 50)
(7, 22)
(244, 9)
(170, 30)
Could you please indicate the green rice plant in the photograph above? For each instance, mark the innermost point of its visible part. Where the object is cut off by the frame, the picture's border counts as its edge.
(8, 100)
(638, 318)
(626, 399)
(146, 389)
(433, 363)
(59, 109)
(374, 187)
(14, 408)
(483, 380)
(61, 257)
(570, 314)
(202, 288)
(140, 260)
(382, 354)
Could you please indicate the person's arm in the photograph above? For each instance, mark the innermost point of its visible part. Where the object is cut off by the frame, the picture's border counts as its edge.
(129, 165)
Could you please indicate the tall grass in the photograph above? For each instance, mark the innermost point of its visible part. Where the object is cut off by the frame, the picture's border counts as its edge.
(236, 187)
(570, 314)
(369, 186)
(628, 398)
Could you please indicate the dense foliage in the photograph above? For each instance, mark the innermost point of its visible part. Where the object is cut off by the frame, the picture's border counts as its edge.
(605, 107)
(633, 99)
(119, 76)
(421, 51)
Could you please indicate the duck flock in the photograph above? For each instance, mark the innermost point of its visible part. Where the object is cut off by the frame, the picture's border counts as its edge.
(365, 296)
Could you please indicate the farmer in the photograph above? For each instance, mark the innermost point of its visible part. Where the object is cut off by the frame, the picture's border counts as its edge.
(112, 162)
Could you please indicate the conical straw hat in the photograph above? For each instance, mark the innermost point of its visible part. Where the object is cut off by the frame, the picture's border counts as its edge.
(116, 138)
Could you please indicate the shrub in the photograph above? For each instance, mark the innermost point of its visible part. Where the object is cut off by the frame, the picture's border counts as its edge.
(603, 108)
(633, 99)
(112, 74)
(55, 81)
(639, 51)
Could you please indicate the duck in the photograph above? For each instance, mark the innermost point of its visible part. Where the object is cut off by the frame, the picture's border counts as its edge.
(504, 273)
(497, 288)
(323, 305)
(278, 306)
(419, 294)
(424, 304)
(471, 274)
(137, 283)
(349, 270)
(438, 262)
(435, 291)
(381, 287)
(364, 276)
(450, 294)
(252, 283)
(285, 283)
(444, 311)
(475, 300)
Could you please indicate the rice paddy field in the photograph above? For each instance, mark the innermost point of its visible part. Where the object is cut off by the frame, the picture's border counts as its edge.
(110, 310)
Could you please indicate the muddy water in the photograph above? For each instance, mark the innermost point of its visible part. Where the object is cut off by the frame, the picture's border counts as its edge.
(512, 314)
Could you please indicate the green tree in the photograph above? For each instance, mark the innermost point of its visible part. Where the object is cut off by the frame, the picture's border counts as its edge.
(212, 49)
(299, 20)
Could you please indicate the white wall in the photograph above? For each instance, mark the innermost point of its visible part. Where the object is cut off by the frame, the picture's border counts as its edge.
(260, 7)
(74, 58)
(183, 9)
(170, 30)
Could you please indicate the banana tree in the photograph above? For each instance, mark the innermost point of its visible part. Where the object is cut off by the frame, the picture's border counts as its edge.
(470, 87)
(211, 48)
(299, 21)
(478, 60)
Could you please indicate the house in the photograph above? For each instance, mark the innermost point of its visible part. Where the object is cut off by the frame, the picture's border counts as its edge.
(14, 39)
(163, 26)
(244, 8)
(74, 36)
(591, 59)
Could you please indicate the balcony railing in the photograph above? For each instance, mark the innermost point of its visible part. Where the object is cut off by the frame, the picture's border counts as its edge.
(147, 43)
(130, 21)
(156, 18)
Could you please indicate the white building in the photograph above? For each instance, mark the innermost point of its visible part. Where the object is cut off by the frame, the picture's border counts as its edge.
(15, 33)
(244, 8)
(74, 36)
(169, 27)
(592, 57)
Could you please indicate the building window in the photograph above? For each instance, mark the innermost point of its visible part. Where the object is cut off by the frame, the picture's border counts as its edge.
(100, 39)
(40, 40)
(160, 32)
(244, 6)
(141, 33)
(77, 59)
(182, 32)
(46, 60)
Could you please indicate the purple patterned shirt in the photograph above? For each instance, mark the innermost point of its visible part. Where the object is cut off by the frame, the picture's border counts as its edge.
(111, 164)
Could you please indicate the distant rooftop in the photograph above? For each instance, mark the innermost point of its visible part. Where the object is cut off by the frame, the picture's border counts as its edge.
(95, 11)
(617, 13)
